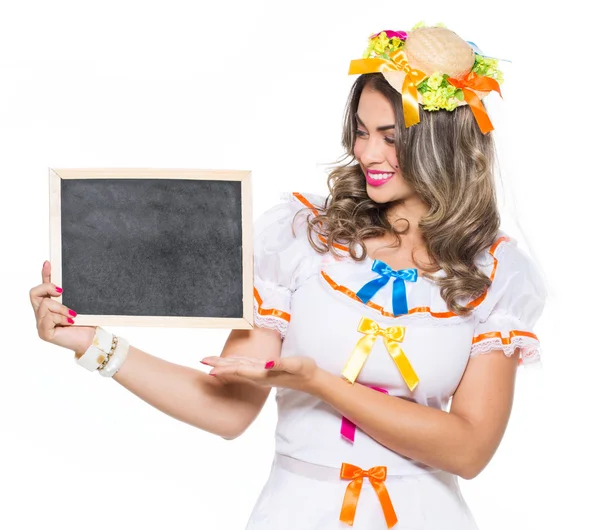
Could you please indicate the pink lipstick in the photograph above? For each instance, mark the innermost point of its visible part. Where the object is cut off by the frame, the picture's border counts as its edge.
(378, 178)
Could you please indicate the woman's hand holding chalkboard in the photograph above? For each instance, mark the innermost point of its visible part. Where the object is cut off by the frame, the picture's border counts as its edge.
(54, 320)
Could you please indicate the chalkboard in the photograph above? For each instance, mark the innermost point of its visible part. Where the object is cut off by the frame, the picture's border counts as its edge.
(153, 247)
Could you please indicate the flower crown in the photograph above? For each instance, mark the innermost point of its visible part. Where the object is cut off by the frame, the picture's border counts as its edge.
(434, 67)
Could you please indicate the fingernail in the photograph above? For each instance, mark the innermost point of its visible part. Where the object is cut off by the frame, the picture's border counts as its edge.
(72, 313)
(205, 363)
(58, 290)
(269, 365)
(70, 321)
(214, 375)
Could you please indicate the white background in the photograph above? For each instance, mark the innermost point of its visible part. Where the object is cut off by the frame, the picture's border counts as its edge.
(261, 85)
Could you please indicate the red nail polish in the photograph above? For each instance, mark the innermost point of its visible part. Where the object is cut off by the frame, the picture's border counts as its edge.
(70, 321)
(269, 365)
(205, 363)
(214, 375)
(58, 290)
(72, 313)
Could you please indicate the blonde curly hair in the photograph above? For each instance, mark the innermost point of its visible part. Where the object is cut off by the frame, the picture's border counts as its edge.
(450, 164)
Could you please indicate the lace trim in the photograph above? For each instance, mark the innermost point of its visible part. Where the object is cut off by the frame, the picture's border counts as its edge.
(270, 322)
(530, 348)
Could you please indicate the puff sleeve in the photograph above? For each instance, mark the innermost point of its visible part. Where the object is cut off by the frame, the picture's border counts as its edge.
(512, 306)
(280, 248)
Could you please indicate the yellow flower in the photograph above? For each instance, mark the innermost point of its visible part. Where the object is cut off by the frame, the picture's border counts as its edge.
(382, 45)
(442, 98)
(448, 91)
(441, 101)
(429, 101)
(451, 103)
(396, 43)
(435, 80)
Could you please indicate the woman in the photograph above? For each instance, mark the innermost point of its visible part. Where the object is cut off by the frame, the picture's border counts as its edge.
(371, 310)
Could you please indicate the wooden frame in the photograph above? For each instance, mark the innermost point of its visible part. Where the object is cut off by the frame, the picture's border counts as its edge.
(246, 322)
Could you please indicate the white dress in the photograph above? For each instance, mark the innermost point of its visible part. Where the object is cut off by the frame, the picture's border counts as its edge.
(311, 300)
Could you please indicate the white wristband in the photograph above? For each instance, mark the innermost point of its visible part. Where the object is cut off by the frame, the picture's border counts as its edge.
(116, 359)
(98, 351)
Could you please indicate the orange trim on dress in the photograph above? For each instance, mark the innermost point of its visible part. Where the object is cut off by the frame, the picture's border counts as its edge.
(493, 248)
(445, 314)
(370, 304)
(505, 340)
(270, 312)
(308, 204)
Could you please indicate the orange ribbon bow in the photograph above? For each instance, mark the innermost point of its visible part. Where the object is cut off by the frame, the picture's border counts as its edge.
(392, 336)
(483, 84)
(396, 63)
(377, 476)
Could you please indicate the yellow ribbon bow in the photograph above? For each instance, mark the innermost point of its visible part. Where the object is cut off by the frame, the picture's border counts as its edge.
(396, 63)
(392, 336)
(377, 476)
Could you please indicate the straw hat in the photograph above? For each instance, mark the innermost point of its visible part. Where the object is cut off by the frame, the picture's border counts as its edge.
(432, 68)
(439, 50)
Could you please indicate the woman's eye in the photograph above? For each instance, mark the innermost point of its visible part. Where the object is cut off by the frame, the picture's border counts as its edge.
(386, 139)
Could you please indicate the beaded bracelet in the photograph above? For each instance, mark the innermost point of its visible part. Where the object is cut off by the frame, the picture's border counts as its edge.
(116, 358)
(113, 346)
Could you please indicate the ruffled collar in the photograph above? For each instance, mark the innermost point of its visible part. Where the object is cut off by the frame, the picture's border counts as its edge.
(349, 278)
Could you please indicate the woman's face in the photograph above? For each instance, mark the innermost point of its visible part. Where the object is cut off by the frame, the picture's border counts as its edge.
(375, 150)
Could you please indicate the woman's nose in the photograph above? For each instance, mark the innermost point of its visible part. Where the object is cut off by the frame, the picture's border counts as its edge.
(372, 152)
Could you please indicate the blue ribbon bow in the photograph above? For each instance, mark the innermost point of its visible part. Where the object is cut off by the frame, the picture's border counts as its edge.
(399, 302)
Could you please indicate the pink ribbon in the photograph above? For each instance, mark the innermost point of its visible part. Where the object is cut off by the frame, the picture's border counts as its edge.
(348, 429)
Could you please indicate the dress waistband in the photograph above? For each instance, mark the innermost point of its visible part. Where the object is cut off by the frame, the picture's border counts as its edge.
(356, 477)
(319, 472)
